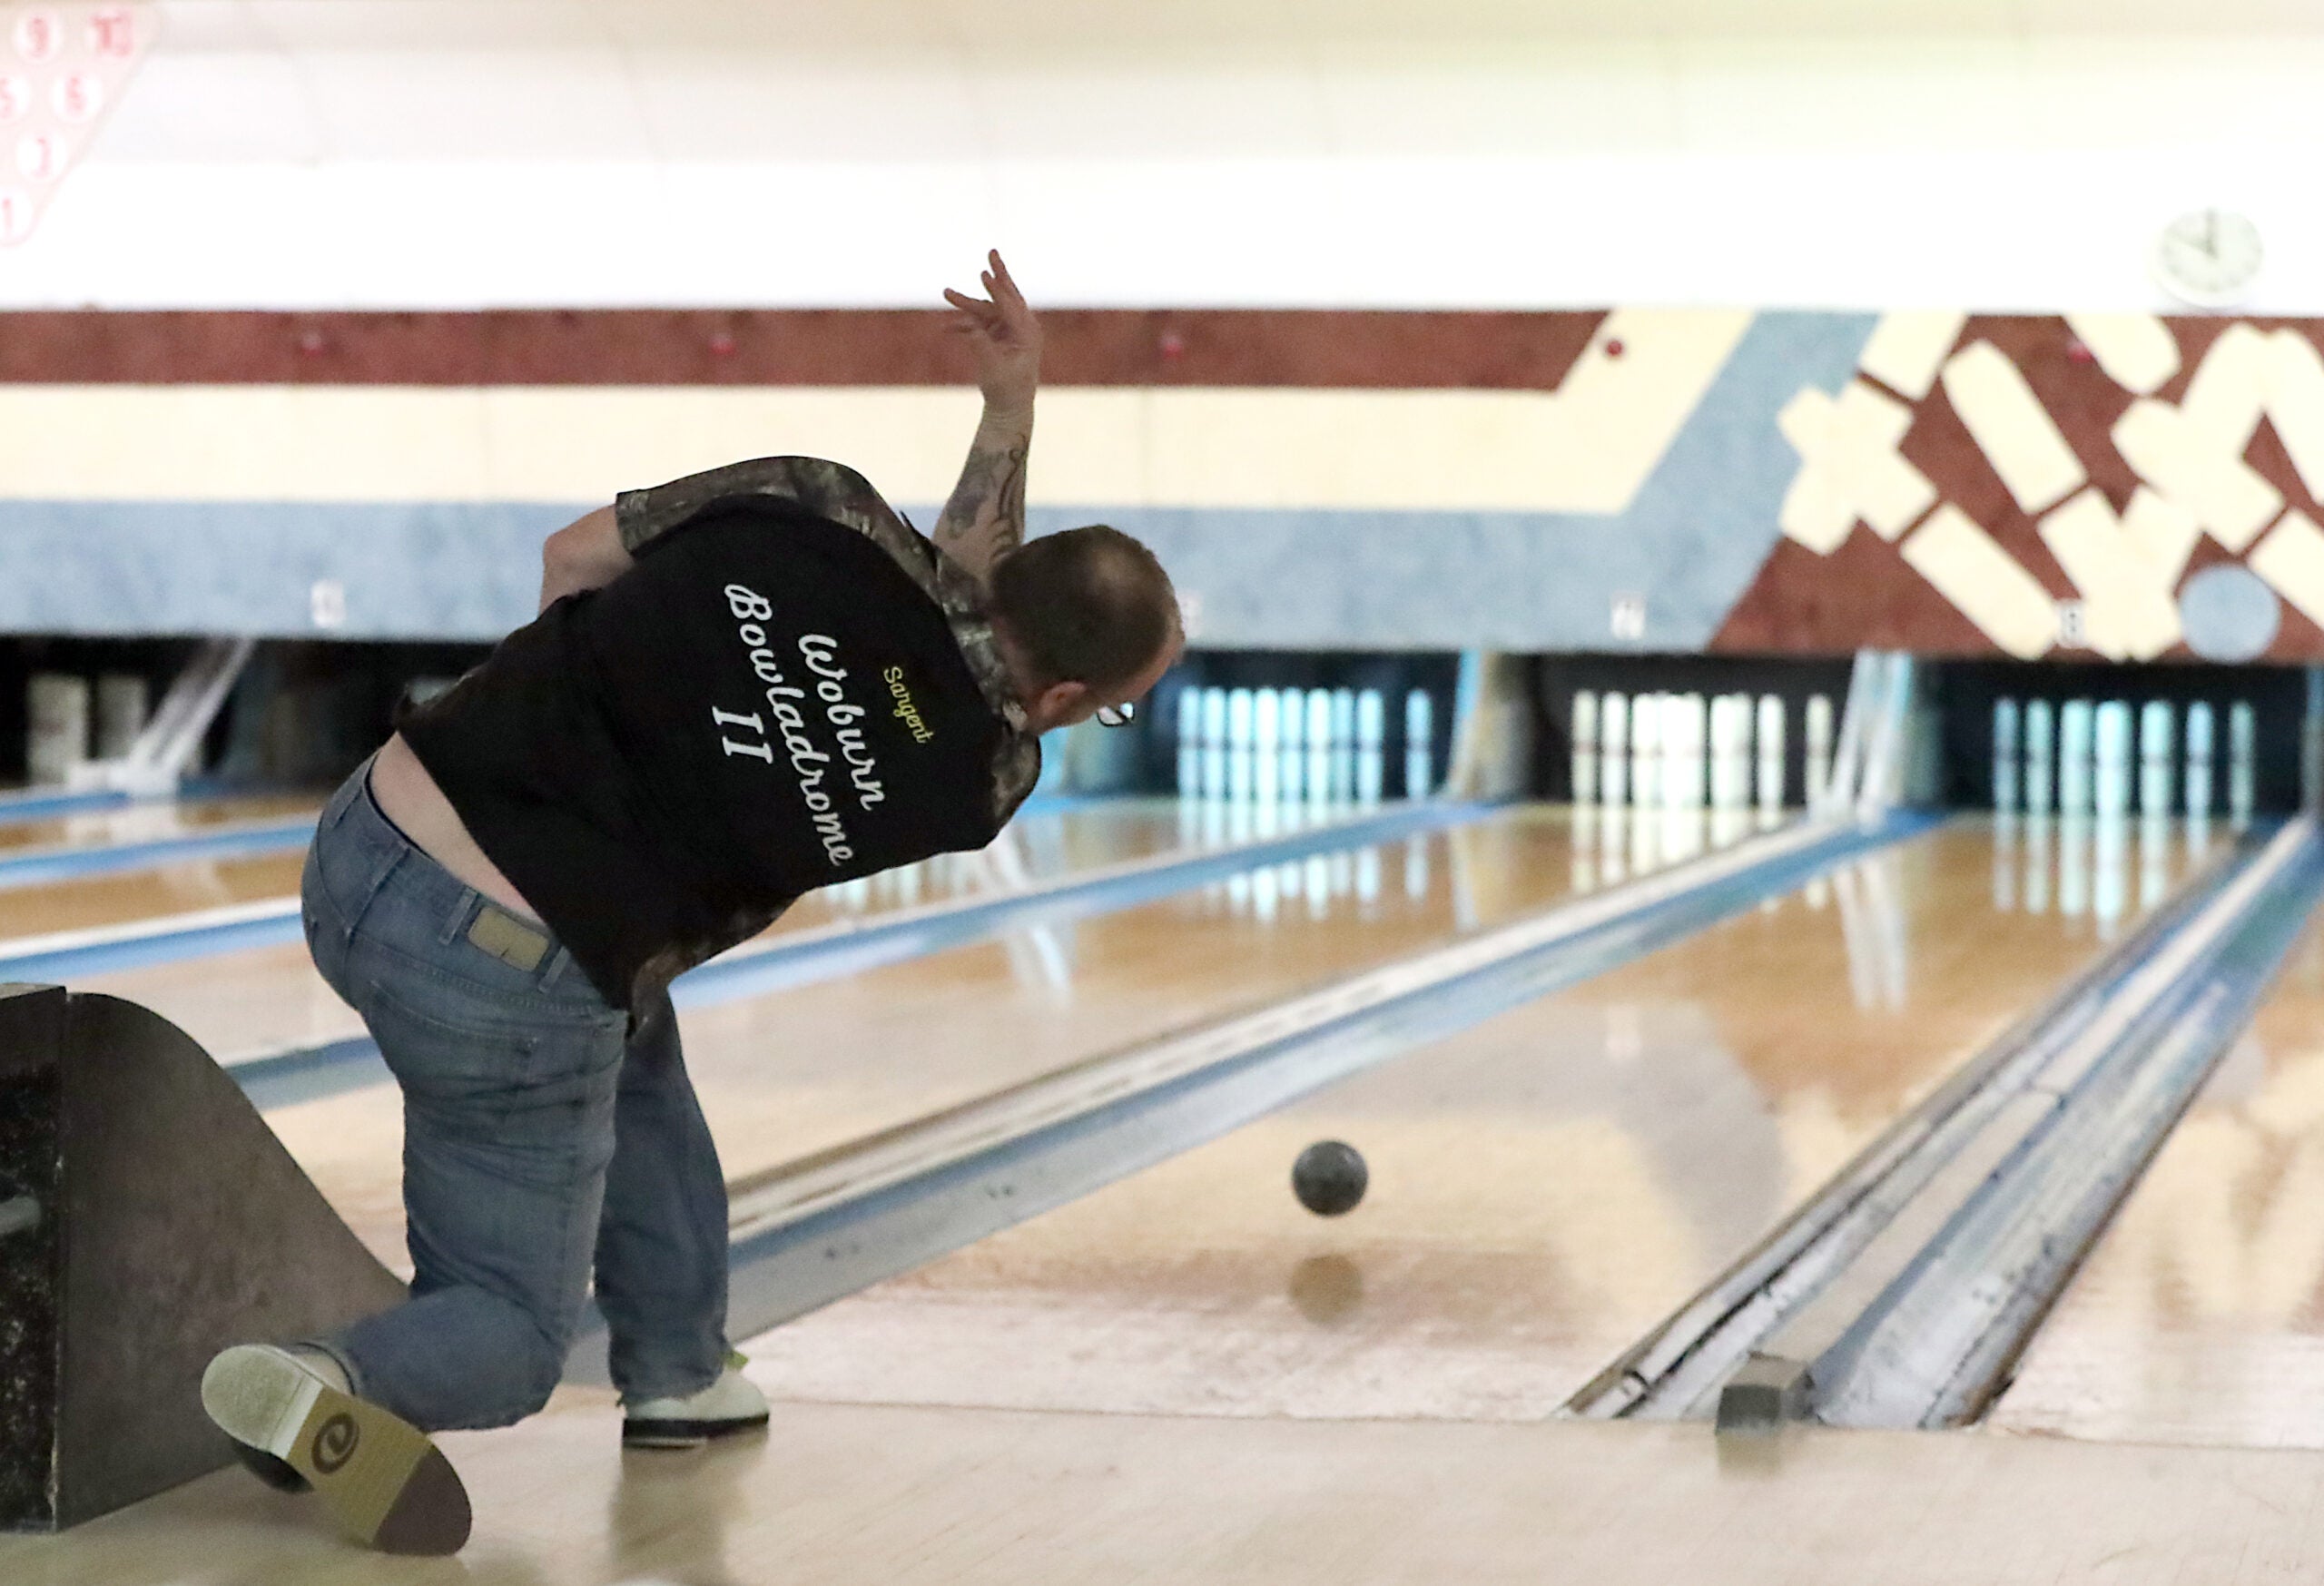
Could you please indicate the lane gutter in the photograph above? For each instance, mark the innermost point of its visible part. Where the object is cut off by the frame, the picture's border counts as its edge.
(1918, 1272)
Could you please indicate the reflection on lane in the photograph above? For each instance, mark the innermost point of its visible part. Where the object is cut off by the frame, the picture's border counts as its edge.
(1545, 1186)
(811, 1069)
(268, 1000)
(2199, 1315)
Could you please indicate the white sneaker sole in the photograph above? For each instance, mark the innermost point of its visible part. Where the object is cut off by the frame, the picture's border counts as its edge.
(384, 1482)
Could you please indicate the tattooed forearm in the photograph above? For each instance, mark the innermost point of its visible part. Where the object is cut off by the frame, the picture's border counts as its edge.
(985, 517)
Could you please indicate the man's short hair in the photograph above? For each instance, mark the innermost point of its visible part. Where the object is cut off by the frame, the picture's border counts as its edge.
(1089, 605)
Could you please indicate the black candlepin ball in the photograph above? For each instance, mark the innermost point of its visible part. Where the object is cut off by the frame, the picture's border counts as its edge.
(1329, 1177)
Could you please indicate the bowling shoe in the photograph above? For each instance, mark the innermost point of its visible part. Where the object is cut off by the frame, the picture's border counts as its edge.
(385, 1484)
(732, 1404)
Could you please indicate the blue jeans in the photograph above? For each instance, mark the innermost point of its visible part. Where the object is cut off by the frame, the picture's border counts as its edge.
(541, 1138)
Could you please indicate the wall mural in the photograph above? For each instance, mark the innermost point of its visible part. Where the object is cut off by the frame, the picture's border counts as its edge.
(2112, 485)
(2119, 486)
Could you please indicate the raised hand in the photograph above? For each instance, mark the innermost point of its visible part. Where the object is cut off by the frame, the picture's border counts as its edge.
(1005, 335)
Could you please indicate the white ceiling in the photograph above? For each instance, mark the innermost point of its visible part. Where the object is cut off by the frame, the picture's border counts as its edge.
(1204, 24)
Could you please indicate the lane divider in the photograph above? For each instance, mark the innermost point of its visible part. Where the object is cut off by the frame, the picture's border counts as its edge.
(40, 804)
(847, 947)
(1920, 1268)
(815, 1230)
(30, 867)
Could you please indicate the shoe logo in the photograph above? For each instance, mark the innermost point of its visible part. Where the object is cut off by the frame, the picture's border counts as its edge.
(334, 1444)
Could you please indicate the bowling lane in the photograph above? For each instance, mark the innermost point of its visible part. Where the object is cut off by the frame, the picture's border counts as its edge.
(1545, 1186)
(87, 903)
(2199, 1315)
(267, 999)
(813, 1068)
(148, 823)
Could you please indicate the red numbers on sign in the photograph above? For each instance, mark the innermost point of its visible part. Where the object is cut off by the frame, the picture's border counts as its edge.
(77, 97)
(16, 215)
(41, 156)
(39, 35)
(114, 31)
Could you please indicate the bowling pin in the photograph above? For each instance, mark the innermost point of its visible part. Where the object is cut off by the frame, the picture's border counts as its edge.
(2110, 787)
(1818, 743)
(2242, 763)
(2005, 755)
(1420, 745)
(1585, 747)
(1190, 743)
(1292, 722)
(2199, 760)
(2040, 758)
(1371, 745)
(1319, 746)
(2076, 756)
(1343, 746)
(1684, 728)
(1240, 725)
(1730, 753)
(1213, 744)
(2155, 751)
(1646, 760)
(57, 708)
(1770, 745)
(122, 703)
(1266, 747)
(1614, 751)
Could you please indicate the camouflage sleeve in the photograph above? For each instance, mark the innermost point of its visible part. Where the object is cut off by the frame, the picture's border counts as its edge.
(828, 489)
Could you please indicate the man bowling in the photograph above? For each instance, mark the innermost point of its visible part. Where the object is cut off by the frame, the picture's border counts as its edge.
(742, 685)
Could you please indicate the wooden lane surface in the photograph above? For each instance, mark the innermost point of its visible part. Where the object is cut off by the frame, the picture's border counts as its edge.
(784, 1076)
(147, 823)
(267, 999)
(2198, 1317)
(1545, 1186)
(911, 1495)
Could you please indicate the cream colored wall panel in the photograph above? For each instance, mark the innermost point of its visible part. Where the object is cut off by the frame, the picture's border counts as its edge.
(1623, 413)
(1985, 583)
(2292, 559)
(2296, 404)
(1092, 446)
(1814, 515)
(1335, 448)
(578, 443)
(2228, 390)
(2011, 426)
(1908, 347)
(2164, 532)
(2136, 350)
(250, 443)
(1195, 446)
(1806, 421)
(2187, 465)
(1890, 493)
(2127, 609)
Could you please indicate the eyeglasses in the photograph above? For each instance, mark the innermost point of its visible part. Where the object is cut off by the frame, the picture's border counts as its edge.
(1117, 715)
